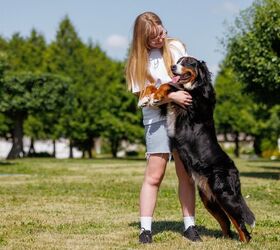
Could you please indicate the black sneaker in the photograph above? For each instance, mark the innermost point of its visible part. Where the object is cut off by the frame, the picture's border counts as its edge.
(192, 234)
(145, 236)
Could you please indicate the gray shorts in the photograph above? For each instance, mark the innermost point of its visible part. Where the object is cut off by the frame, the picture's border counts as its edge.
(157, 140)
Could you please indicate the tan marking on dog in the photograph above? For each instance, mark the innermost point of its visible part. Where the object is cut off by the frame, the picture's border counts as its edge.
(202, 182)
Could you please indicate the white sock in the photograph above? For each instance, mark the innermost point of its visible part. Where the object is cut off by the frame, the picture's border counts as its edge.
(146, 222)
(189, 221)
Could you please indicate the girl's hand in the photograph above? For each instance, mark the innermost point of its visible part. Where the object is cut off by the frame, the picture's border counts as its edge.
(181, 97)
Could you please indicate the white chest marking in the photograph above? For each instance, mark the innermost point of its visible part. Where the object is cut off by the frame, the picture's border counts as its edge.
(188, 85)
(171, 120)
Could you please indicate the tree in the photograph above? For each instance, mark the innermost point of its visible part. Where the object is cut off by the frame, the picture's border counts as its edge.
(234, 109)
(91, 97)
(105, 108)
(27, 55)
(25, 88)
(25, 93)
(253, 49)
(120, 118)
(64, 56)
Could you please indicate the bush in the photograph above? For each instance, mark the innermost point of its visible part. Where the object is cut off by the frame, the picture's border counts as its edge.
(271, 154)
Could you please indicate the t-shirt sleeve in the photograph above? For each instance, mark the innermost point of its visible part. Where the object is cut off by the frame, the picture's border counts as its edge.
(177, 50)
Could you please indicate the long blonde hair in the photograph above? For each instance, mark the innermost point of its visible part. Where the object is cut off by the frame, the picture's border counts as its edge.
(138, 59)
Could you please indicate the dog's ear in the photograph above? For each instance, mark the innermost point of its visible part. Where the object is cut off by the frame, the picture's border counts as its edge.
(203, 71)
(205, 82)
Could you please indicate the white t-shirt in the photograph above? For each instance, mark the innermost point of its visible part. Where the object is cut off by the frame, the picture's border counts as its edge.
(160, 75)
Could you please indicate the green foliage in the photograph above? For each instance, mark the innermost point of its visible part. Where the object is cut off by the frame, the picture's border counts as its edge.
(100, 103)
(3, 64)
(68, 56)
(120, 119)
(26, 54)
(5, 124)
(64, 55)
(35, 49)
(237, 111)
(254, 50)
(271, 129)
(234, 109)
(27, 92)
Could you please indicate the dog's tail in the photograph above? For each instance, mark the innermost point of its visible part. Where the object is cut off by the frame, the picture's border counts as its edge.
(248, 215)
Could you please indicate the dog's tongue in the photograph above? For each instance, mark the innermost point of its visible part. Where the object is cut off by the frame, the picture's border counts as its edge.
(175, 79)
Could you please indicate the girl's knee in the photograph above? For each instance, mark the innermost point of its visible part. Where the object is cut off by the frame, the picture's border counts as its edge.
(154, 179)
(155, 169)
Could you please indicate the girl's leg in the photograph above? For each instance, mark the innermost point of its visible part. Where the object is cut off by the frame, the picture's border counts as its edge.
(154, 174)
(187, 199)
(186, 187)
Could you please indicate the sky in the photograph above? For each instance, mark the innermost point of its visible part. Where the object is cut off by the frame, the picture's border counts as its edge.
(199, 24)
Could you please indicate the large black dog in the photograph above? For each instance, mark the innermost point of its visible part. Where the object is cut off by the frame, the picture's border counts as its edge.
(193, 134)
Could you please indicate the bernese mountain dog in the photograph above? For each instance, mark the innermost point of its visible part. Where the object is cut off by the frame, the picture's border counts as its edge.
(192, 133)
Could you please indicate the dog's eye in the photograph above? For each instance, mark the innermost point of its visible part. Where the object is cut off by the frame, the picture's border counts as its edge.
(194, 64)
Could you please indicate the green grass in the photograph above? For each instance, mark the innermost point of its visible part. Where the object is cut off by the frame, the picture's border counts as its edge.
(93, 204)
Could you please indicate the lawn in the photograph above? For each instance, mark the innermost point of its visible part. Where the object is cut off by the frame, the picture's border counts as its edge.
(93, 204)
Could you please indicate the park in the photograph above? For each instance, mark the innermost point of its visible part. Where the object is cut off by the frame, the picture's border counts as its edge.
(71, 91)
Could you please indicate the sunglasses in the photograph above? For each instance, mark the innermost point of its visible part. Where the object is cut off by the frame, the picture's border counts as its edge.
(161, 35)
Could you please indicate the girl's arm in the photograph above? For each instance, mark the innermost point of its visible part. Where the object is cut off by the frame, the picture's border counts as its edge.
(182, 98)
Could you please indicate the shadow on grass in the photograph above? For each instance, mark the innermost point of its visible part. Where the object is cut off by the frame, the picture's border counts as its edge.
(6, 163)
(123, 158)
(262, 175)
(177, 226)
(271, 167)
(107, 158)
(262, 160)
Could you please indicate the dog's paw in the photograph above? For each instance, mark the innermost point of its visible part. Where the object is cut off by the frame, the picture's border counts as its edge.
(155, 102)
(143, 102)
(253, 224)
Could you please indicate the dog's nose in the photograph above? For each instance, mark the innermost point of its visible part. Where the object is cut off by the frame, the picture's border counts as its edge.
(173, 67)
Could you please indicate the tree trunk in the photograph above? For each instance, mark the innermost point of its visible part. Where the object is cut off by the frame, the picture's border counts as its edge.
(31, 148)
(90, 146)
(225, 137)
(71, 149)
(54, 149)
(236, 141)
(257, 145)
(89, 153)
(17, 148)
(114, 147)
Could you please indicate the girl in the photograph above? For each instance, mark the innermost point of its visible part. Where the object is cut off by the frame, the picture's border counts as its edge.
(150, 59)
